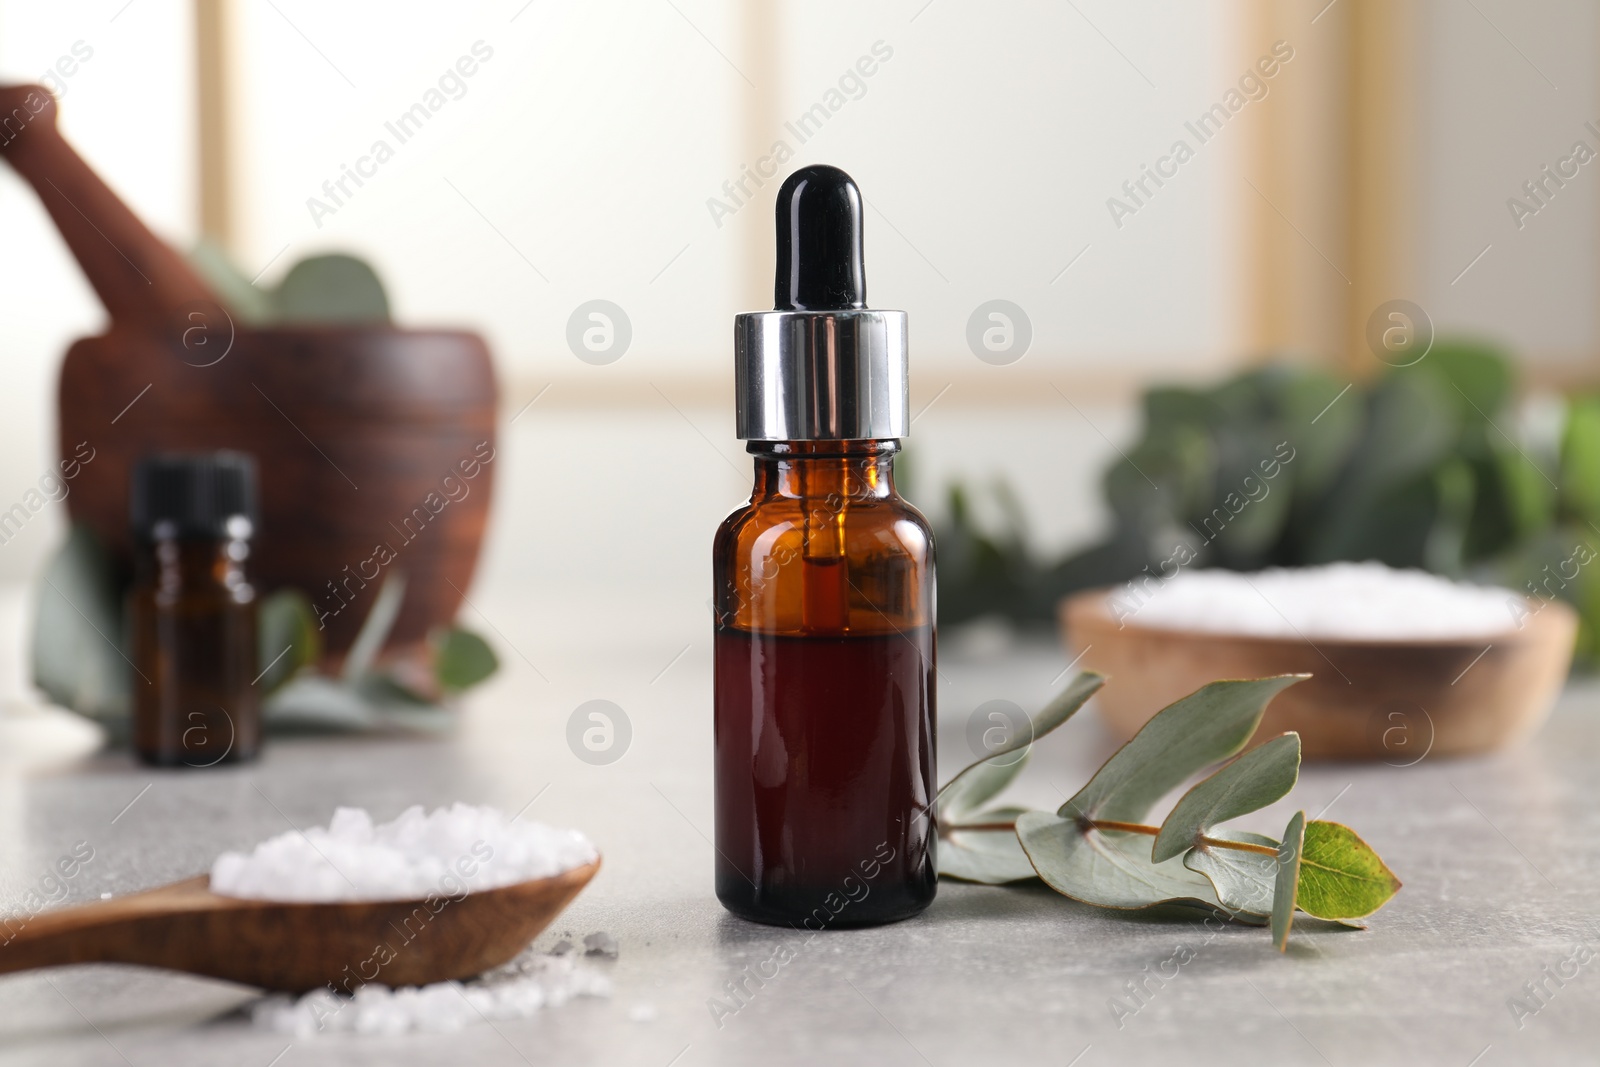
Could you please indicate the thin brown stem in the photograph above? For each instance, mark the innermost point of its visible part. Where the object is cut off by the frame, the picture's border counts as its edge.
(1120, 827)
(1125, 827)
(1240, 846)
(1151, 831)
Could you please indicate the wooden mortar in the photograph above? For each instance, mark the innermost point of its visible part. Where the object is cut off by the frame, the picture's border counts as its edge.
(360, 432)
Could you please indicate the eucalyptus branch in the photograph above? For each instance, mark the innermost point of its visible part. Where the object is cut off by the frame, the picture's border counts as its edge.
(1321, 868)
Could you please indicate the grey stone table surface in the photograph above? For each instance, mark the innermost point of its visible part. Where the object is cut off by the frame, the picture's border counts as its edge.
(1495, 853)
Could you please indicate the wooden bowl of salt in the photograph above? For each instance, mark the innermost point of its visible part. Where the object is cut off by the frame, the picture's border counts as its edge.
(1393, 684)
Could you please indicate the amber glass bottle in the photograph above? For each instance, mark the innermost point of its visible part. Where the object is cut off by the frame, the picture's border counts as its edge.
(192, 611)
(824, 601)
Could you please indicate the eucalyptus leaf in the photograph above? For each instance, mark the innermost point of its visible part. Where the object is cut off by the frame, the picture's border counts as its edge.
(965, 794)
(1262, 776)
(1253, 525)
(1286, 887)
(1109, 869)
(1208, 725)
(1167, 405)
(375, 627)
(1527, 489)
(287, 637)
(331, 288)
(398, 707)
(1112, 868)
(1327, 425)
(1413, 424)
(1478, 376)
(1456, 495)
(79, 662)
(1587, 596)
(1243, 880)
(1580, 458)
(1168, 474)
(314, 703)
(253, 306)
(1093, 848)
(461, 659)
(994, 856)
(980, 780)
(77, 653)
(1341, 877)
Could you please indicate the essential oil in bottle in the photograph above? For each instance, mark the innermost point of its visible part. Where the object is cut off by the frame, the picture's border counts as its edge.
(192, 611)
(824, 599)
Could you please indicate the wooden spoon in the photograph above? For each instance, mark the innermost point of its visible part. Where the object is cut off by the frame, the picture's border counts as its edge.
(297, 947)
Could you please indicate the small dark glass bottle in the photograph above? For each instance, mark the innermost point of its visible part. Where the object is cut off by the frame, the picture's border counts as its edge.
(192, 611)
(824, 602)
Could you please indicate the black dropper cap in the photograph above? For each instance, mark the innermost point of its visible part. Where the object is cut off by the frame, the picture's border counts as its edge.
(193, 495)
(820, 265)
(822, 366)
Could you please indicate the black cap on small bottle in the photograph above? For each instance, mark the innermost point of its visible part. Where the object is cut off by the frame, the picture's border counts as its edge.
(820, 265)
(192, 495)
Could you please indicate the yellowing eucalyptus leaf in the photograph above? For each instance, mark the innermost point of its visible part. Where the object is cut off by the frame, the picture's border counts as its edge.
(1341, 877)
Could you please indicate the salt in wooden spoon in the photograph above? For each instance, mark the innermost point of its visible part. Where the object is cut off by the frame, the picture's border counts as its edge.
(295, 947)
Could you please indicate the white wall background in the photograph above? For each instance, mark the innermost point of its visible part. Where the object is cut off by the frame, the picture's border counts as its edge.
(128, 109)
(1509, 87)
(579, 162)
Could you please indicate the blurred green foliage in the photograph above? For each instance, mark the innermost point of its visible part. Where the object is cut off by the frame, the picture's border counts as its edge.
(329, 288)
(1426, 466)
(80, 658)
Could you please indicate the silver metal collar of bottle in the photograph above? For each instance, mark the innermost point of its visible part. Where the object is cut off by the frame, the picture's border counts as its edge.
(821, 375)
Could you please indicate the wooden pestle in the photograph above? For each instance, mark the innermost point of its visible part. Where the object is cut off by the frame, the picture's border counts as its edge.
(140, 279)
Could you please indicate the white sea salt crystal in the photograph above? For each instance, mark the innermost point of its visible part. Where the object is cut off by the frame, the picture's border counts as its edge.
(1357, 601)
(449, 850)
(600, 943)
(522, 988)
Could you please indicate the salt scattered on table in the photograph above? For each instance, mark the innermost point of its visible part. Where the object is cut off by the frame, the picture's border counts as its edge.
(449, 850)
(527, 985)
(600, 943)
(1358, 601)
